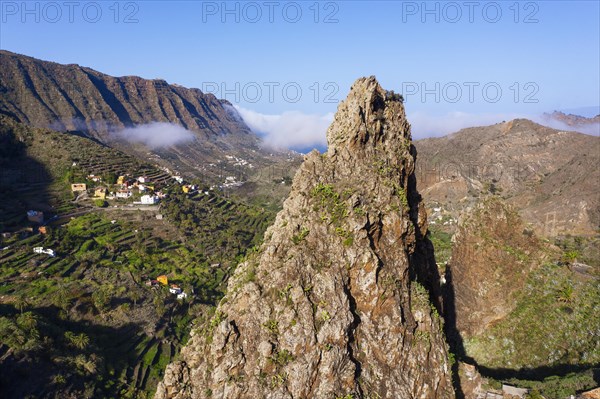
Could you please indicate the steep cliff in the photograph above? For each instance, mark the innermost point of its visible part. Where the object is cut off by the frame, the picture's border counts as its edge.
(492, 256)
(522, 307)
(70, 97)
(329, 307)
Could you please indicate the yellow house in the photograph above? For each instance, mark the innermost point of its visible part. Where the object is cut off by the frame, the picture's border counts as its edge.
(78, 187)
(164, 280)
(100, 192)
(186, 188)
(121, 180)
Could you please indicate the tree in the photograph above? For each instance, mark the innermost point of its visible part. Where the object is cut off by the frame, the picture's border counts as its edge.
(21, 302)
(135, 295)
(79, 341)
(101, 300)
(27, 321)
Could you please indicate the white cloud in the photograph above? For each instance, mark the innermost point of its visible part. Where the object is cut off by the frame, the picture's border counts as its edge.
(156, 134)
(291, 129)
(591, 128)
(298, 130)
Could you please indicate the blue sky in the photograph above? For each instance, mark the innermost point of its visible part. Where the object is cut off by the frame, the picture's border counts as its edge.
(458, 63)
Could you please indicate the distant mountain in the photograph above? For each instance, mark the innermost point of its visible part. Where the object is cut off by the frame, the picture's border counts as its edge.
(70, 97)
(573, 120)
(550, 176)
(73, 98)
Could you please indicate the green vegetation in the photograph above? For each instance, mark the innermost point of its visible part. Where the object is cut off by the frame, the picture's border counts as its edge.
(442, 243)
(332, 202)
(100, 203)
(554, 323)
(219, 228)
(334, 209)
(558, 387)
(298, 238)
(72, 315)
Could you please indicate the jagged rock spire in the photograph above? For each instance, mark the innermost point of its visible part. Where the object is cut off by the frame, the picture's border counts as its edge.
(328, 307)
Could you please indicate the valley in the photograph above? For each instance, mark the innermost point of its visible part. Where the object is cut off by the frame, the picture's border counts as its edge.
(217, 266)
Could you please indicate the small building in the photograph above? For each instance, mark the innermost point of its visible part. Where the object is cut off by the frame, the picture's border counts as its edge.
(78, 187)
(41, 250)
(175, 291)
(149, 199)
(100, 192)
(6, 235)
(178, 179)
(50, 252)
(120, 179)
(159, 217)
(142, 188)
(142, 179)
(35, 216)
(123, 194)
(151, 283)
(164, 280)
(186, 188)
(182, 295)
(43, 230)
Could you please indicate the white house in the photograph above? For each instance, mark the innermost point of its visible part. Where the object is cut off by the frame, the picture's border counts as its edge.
(149, 199)
(142, 179)
(123, 194)
(175, 291)
(182, 295)
(41, 250)
(50, 252)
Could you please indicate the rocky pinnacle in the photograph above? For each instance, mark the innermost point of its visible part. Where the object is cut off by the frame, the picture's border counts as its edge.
(330, 306)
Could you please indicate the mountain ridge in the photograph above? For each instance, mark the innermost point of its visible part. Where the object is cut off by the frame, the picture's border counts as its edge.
(533, 167)
(72, 97)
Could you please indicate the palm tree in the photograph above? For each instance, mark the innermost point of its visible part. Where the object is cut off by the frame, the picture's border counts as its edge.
(21, 302)
(135, 296)
(79, 341)
(27, 321)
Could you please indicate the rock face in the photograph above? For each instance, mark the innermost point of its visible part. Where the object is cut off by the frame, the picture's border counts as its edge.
(492, 257)
(329, 307)
(69, 97)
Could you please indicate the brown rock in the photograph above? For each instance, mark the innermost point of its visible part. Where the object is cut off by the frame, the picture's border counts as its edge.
(329, 308)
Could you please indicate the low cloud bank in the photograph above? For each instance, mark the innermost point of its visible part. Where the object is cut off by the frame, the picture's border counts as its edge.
(296, 130)
(155, 134)
(292, 130)
(588, 128)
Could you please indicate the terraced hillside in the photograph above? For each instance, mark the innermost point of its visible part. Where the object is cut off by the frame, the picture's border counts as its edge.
(73, 98)
(84, 321)
(38, 166)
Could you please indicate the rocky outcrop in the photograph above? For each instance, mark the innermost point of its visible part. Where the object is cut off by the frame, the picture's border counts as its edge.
(329, 307)
(492, 256)
(70, 97)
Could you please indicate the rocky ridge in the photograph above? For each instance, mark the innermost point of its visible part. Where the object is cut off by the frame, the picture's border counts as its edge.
(70, 97)
(330, 306)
